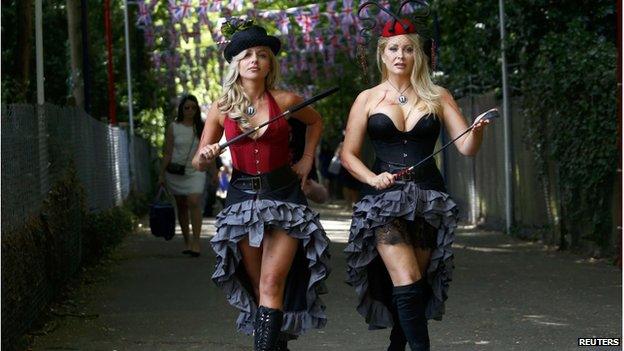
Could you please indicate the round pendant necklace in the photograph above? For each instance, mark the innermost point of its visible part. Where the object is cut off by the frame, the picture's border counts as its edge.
(251, 109)
(402, 98)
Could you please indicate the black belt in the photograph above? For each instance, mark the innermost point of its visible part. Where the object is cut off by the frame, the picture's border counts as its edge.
(275, 179)
(407, 177)
(416, 175)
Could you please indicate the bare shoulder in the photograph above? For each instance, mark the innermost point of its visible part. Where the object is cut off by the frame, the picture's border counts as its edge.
(371, 97)
(215, 114)
(360, 107)
(285, 98)
(445, 95)
(365, 95)
(378, 91)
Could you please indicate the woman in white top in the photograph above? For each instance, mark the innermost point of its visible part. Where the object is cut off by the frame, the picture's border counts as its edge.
(177, 172)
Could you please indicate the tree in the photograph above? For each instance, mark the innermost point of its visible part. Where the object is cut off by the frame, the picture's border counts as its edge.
(75, 47)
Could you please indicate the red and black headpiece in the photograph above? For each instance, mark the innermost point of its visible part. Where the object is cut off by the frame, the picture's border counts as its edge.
(399, 23)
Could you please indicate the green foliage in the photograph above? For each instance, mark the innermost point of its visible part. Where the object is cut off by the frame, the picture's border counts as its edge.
(562, 61)
(104, 231)
(571, 110)
(335, 108)
(63, 213)
(24, 277)
(98, 58)
(39, 257)
(151, 126)
(56, 59)
(469, 46)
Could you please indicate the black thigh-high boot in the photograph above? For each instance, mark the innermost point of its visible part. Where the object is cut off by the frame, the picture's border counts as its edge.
(410, 301)
(397, 337)
(267, 328)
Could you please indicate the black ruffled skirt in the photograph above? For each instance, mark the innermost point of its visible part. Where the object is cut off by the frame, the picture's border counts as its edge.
(246, 216)
(365, 269)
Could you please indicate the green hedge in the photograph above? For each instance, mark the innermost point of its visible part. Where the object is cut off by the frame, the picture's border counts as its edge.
(40, 257)
(572, 122)
(562, 60)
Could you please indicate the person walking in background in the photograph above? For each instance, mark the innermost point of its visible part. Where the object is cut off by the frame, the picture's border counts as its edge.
(177, 172)
(324, 158)
(224, 183)
(272, 251)
(399, 255)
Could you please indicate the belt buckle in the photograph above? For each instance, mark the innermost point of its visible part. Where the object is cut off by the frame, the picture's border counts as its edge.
(256, 183)
(406, 177)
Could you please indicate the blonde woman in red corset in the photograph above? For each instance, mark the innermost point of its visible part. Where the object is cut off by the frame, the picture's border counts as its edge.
(272, 253)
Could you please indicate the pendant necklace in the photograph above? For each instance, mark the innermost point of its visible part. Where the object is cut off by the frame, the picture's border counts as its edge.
(251, 109)
(402, 98)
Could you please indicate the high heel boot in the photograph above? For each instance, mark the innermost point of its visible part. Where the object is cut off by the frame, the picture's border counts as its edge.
(410, 301)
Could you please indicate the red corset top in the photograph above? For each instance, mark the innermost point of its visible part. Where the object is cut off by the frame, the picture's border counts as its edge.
(266, 153)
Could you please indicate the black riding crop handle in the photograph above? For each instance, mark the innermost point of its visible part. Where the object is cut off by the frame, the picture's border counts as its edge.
(281, 115)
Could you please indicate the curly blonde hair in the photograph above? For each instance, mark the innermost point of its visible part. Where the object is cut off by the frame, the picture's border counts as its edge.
(233, 100)
(425, 89)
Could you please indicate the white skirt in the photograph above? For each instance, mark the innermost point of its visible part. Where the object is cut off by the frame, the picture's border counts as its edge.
(191, 183)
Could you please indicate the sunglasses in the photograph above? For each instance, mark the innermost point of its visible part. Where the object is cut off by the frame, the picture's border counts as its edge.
(190, 107)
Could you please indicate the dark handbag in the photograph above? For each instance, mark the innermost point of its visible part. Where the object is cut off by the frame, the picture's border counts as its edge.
(176, 168)
(162, 217)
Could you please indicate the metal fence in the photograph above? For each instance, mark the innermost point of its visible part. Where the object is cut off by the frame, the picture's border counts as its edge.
(38, 147)
(477, 183)
(39, 144)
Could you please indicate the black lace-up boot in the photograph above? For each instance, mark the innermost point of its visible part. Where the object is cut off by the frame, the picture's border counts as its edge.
(267, 328)
(410, 301)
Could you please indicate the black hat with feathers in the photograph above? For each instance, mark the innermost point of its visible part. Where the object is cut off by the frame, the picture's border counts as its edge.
(244, 35)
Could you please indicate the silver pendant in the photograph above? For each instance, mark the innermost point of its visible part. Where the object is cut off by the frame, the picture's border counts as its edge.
(250, 111)
(402, 100)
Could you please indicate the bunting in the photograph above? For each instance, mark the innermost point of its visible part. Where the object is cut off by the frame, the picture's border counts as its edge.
(320, 31)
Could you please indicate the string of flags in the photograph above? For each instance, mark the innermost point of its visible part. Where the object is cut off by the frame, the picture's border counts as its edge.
(311, 34)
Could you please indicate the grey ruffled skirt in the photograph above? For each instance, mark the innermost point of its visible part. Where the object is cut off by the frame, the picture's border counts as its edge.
(303, 308)
(408, 202)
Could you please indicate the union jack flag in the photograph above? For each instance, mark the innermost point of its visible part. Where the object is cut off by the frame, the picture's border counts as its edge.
(216, 6)
(347, 12)
(143, 18)
(283, 23)
(202, 11)
(185, 8)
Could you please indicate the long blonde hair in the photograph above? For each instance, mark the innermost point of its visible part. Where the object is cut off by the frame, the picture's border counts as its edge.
(425, 89)
(233, 99)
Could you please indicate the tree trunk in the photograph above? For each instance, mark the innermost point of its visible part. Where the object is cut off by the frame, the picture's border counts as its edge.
(23, 59)
(74, 32)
